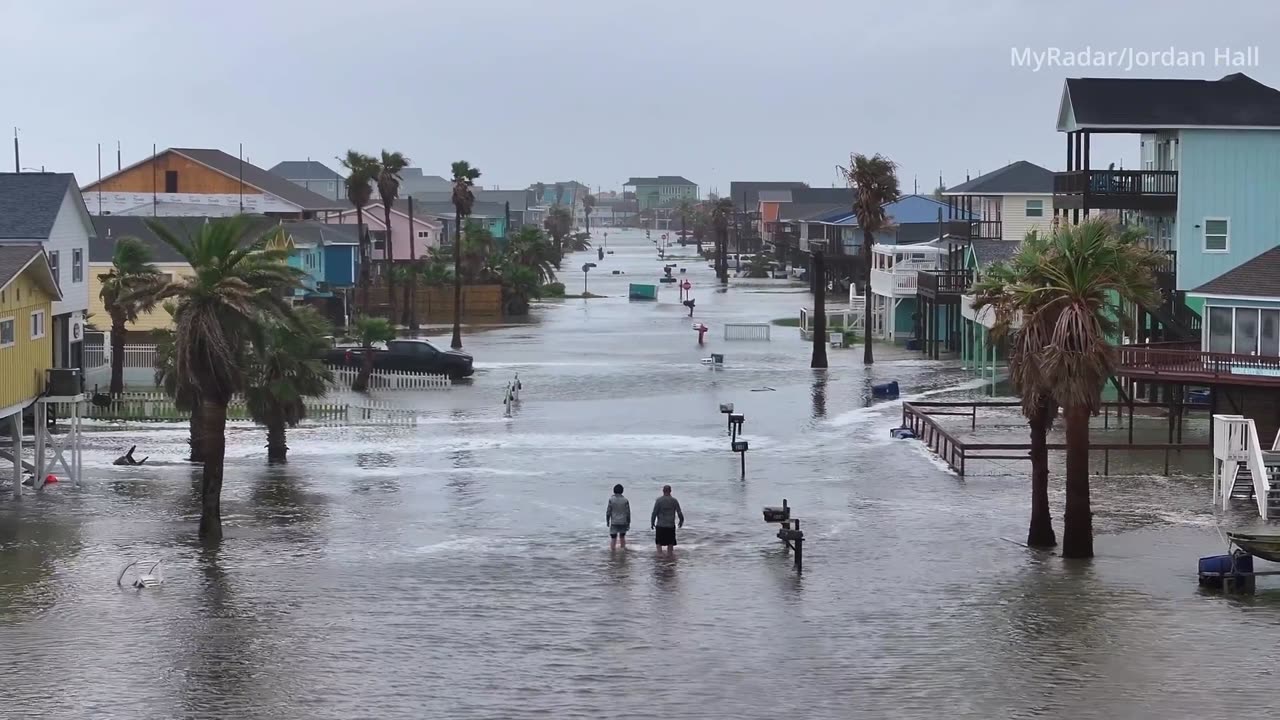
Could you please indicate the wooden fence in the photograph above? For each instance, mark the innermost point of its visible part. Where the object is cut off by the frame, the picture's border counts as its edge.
(158, 407)
(436, 303)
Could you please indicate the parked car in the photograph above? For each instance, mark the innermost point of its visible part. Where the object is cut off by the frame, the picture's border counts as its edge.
(408, 356)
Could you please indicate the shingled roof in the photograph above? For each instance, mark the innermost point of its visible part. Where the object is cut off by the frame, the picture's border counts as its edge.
(305, 170)
(1017, 178)
(1259, 277)
(29, 203)
(16, 258)
(1236, 100)
(660, 180)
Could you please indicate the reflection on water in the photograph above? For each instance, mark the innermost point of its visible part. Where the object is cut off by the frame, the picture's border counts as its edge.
(460, 568)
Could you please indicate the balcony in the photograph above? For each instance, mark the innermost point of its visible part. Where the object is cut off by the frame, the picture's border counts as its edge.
(944, 285)
(1185, 362)
(1153, 191)
(986, 230)
(899, 282)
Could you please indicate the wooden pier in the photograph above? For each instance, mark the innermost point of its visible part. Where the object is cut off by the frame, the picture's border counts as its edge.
(920, 417)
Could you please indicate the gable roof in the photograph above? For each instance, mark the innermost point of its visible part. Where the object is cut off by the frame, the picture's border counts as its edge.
(305, 170)
(316, 233)
(15, 259)
(1259, 277)
(834, 196)
(1021, 177)
(29, 203)
(747, 192)
(921, 209)
(807, 211)
(252, 175)
(110, 228)
(986, 252)
(1236, 100)
(660, 180)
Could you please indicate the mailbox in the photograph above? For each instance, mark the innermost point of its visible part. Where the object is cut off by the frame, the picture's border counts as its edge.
(739, 446)
(726, 408)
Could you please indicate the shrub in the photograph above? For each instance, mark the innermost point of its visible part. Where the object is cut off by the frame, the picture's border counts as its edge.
(553, 290)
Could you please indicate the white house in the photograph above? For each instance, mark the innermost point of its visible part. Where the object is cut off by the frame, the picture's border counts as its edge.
(47, 209)
(1007, 202)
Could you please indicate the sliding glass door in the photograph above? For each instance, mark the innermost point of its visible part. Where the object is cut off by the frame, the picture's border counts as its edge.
(1244, 331)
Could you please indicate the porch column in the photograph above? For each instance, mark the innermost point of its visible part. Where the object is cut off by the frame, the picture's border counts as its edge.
(15, 432)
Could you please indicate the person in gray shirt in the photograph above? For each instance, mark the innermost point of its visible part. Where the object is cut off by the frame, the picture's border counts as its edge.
(666, 510)
(617, 515)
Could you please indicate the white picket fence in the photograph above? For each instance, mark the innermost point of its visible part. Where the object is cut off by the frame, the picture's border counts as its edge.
(392, 380)
(157, 406)
(98, 354)
(746, 331)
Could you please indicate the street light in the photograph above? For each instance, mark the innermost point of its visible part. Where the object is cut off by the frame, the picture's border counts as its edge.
(586, 267)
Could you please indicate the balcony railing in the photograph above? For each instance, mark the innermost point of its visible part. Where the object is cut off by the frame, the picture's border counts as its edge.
(1152, 190)
(935, 283)
(1186, 362)
(986, 230)
(888, 283)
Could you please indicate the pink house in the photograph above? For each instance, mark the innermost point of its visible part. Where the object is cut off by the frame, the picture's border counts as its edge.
(425, 233)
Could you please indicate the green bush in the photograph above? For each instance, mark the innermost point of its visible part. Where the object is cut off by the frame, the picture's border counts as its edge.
(553, 290)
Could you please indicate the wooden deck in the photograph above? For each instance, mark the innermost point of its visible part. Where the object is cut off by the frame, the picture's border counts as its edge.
(957, 452)
(1187, 364)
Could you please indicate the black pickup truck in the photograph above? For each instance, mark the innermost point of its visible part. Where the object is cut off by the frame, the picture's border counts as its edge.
(408, 356)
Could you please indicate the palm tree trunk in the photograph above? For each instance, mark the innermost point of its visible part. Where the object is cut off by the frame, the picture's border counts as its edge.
(1040, 532)
(867, 356)
(117, 354)
(277, 448)
(1077, 521)
(819, 312)
(214, 417)
(361, 383)
(196, 441)
(365, 257)
(388, 258)
(457, 281)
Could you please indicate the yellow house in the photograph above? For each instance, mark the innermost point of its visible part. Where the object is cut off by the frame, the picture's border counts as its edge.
(27, 294)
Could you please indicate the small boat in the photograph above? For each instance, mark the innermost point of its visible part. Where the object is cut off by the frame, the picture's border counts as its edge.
(1265, 546)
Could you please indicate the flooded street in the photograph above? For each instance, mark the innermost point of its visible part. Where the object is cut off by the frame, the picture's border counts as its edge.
(460, 568)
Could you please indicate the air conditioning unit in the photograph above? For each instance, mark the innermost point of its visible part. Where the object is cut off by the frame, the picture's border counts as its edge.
(62, 382)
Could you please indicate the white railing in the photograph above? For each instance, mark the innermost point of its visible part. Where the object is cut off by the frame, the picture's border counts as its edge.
(139, 356)
(746, 331)
(899, 281)
(1235, 443)
(392, 380)
(95, 355)
(850, 318)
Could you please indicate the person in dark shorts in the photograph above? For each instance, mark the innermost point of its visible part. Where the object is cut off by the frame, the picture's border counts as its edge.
(617, 515)
(666, 510)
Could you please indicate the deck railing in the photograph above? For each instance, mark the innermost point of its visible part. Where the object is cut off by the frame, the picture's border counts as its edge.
(1120, 189)
(944, 282)
(1186, 358)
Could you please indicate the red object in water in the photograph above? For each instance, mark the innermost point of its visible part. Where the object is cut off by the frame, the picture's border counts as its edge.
(50, 479)
(702, 330)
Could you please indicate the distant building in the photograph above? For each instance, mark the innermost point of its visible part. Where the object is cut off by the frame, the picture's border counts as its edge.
(314, 176)
(662, 191)
(201, 182)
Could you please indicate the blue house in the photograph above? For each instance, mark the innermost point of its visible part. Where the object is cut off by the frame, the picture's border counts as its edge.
(326, 254)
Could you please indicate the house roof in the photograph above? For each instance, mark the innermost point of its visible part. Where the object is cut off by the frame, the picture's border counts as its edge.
(1259, 277)
(252, 175)
(110, 228)
(782, 196)
(808, 211)
(15, 259)
(305, 170)
(519, 199)
(747, 192)
(990, 251)
(29, 203)
(660, 180)
(1017, 178)
(314, 232)
(1236, 100)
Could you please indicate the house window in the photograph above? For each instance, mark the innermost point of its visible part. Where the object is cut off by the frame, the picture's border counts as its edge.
(1220, 329)
(53, 265)
(171, 181)
(1269, 333)
(1246, 335)
(1217, 236)
(424, 233)
(1035, 208)
(37, 325)
(6, 333)
(77, 265)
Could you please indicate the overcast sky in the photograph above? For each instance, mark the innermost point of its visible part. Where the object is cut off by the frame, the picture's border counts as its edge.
(597, 91)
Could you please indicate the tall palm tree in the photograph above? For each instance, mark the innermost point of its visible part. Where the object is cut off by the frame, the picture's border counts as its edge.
(362, 172)
(721, 211)
(588, 204)
(875, 184)
(283, 372)
(219, 310)
(368, 331)
(127, 291)
(1083, 281)
(464, 178)
(1026, 339)
(559, 222)
(389, 167)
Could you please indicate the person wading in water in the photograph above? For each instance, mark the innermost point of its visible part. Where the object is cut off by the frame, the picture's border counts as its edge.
(617, 515)
(665, 511)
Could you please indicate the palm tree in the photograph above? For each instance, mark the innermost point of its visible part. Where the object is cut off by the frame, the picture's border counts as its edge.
(368, 331)
(578, 242)
(362, 171)
(464, 178)
(819, 357)
(539, 190)
(407, 278)
(219, 310)
(478, 250)
(588, 204)
(559, 222)
(875, 184)
(389, 168)
(721, 211)
(1081, 283)
(127, 290)
(995, 290)
(529, 248)
(180, 389)
(285, 370)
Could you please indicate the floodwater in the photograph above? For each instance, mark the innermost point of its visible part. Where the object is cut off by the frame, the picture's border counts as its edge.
(460, 568)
